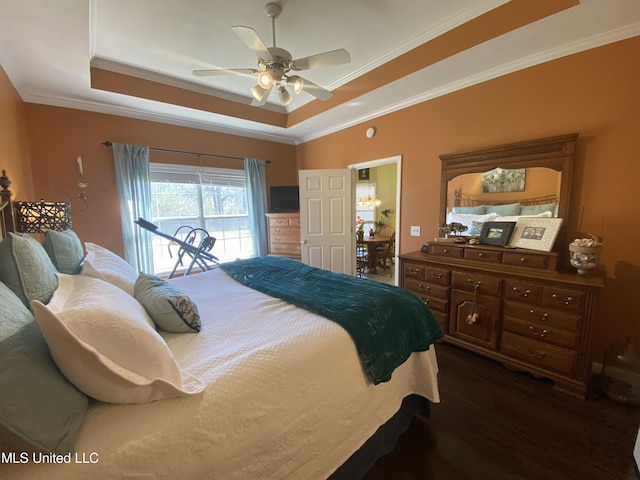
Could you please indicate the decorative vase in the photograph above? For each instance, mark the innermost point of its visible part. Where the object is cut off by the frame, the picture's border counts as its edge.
(360, 235)
(584, 258)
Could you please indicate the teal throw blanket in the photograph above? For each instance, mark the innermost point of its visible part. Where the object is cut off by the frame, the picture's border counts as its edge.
(386, 323)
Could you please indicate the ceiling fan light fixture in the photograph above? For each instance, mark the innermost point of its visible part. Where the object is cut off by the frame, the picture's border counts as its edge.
(258, 92)
(264, 79)
(285, 96)
(296, 82)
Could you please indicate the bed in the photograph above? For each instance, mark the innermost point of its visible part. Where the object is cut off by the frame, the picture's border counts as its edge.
(265, 389)
(473, 212)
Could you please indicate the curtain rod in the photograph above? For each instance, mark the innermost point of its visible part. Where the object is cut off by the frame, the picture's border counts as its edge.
(108, 144)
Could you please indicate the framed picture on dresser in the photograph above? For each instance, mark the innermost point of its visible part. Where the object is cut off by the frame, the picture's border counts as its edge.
(496, 233)
(536, 233)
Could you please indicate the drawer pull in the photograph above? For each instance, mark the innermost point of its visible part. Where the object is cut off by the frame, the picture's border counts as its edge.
(557, 298)
(526, 293)
(444, 250)
(424, 289)
(476, 285)
(538, 315)
(480, 254)
(539, 355)
(426, 302)
(523, 260)
(413, 270)
(437, 276)
(537, 332)
(277, 230)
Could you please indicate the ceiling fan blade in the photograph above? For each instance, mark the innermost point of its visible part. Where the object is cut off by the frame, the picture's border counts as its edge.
(251, 39)
(334, 57)
(263, 100)
(316, 90)
(225, 71)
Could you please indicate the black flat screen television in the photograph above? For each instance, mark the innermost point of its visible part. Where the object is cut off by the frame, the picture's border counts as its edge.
(285, 198)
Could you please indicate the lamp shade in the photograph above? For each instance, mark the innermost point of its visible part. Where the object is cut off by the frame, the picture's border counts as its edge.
(38, 217)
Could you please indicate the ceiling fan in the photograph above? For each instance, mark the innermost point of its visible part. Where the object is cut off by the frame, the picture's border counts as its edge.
(276, 64)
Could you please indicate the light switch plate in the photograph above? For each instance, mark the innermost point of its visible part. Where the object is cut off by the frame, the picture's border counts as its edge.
(415, 231)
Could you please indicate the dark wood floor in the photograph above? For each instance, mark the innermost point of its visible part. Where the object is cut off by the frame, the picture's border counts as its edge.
(496, 424)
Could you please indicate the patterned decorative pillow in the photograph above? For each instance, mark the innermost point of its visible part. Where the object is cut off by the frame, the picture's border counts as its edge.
(476, 228)
(168, 307)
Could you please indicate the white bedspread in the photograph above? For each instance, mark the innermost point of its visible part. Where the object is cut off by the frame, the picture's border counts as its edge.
(286, 398)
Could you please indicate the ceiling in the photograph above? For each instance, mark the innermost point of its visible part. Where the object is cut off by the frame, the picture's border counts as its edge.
(402, 52)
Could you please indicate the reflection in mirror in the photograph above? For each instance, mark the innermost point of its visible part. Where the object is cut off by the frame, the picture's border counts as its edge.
(542, 186)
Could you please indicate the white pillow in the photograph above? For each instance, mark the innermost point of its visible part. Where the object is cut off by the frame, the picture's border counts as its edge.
(468, 219)
(514, 218)
(106, 265)
(104, 342)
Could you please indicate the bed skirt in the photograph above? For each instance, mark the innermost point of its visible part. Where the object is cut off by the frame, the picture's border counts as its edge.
(384, 440)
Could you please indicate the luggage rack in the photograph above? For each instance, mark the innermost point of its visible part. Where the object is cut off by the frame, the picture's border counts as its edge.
(199, 253)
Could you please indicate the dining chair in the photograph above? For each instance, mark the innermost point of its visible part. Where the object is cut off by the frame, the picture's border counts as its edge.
(362, 257)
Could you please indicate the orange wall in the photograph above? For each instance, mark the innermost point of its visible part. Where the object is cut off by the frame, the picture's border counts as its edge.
(58, 135)
(14, 147)
(594, 93)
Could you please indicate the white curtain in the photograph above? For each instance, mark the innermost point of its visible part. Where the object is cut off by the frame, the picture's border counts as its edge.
(134, 191)
(257, 202)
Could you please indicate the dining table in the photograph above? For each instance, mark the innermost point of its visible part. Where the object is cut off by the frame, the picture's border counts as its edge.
(372, 242)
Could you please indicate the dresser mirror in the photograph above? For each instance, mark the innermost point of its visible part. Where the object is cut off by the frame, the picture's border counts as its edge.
(541, 169)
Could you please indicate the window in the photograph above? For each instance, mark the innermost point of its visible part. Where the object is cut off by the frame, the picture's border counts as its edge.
(368, 213)
(214, 199)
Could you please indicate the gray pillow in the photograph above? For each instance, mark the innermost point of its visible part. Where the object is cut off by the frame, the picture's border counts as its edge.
(65, 250)
(505, 210)
(168, 307)
(26, 269)
(38, 406)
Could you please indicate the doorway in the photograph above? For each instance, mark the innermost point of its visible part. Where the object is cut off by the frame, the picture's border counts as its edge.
(390, 195)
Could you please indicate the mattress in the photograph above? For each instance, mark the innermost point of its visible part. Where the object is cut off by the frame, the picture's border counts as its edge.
(286, 397)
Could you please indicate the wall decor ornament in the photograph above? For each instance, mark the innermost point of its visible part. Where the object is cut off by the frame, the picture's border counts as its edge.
(503, 180)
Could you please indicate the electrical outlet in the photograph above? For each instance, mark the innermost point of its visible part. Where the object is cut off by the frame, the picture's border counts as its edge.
(415, 231)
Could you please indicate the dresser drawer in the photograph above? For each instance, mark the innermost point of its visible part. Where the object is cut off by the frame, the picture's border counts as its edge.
(412, 270)
(435, 304)
(285, 237)
(442, 318)
(523, 292)
(535, 331)
(437, 275)
(292, 231)
(525, 259)
(564, 299)
(446, 250)
(468, 281)
(538, 353)
(544, 317)
(483, 255)
(426, 288)
(286, 249)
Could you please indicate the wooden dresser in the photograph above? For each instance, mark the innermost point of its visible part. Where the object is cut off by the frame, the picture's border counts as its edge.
(511, 305)
(284, 234)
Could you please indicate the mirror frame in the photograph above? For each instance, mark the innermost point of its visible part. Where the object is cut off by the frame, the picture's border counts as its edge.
(556, 153)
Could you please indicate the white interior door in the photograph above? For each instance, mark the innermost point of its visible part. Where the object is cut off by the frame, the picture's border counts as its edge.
(326, 219)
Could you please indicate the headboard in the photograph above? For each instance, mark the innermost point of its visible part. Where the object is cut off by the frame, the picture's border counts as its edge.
(460, 200)
(6, 206)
